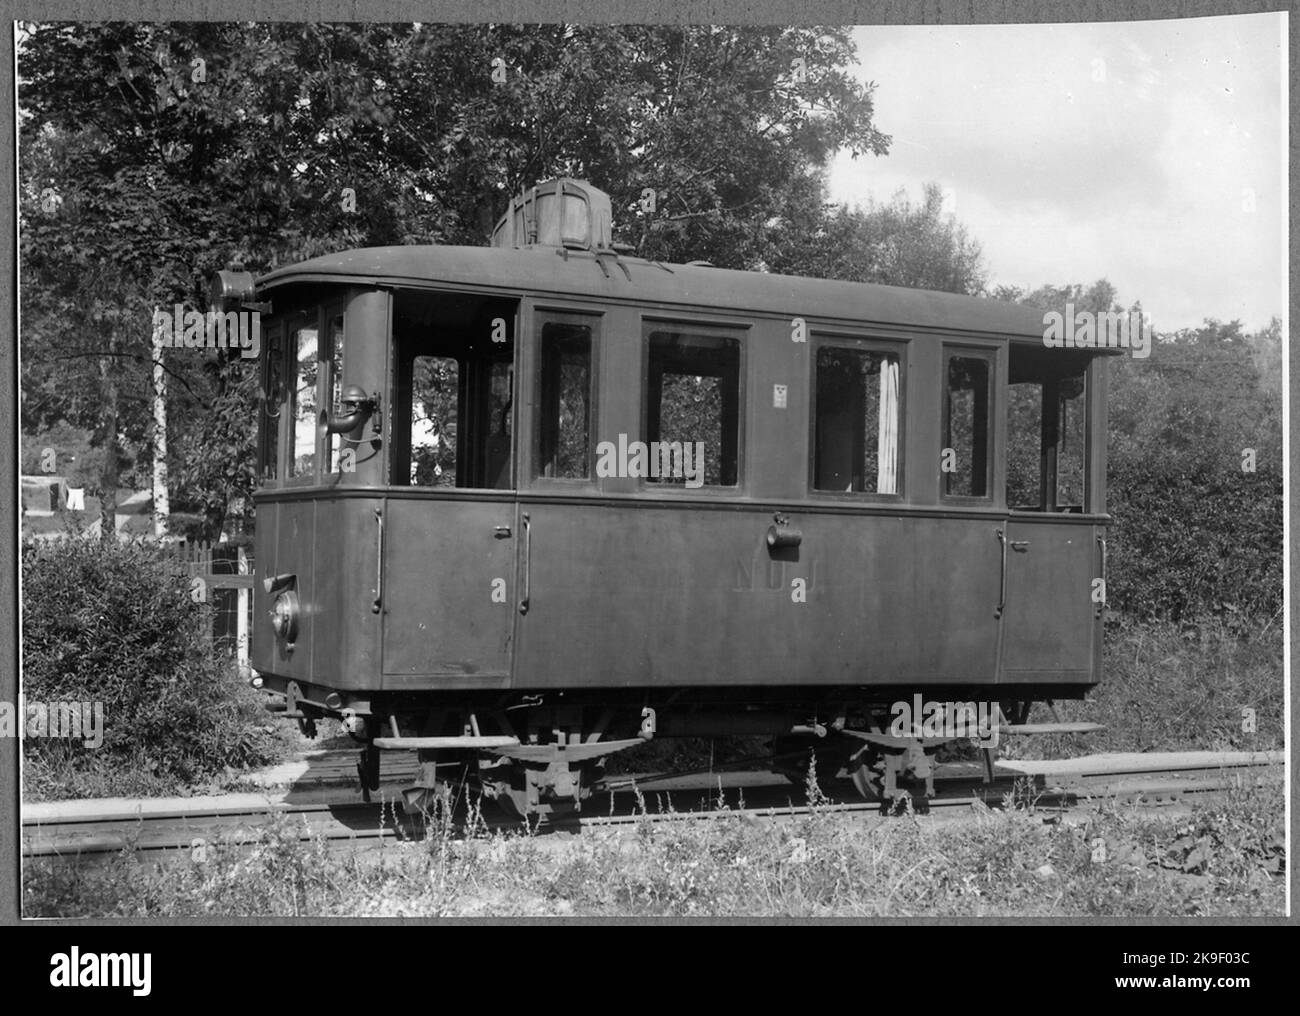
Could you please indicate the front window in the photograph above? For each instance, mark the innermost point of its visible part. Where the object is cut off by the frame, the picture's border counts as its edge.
(303, 346)
(335, 383)
(272, 402)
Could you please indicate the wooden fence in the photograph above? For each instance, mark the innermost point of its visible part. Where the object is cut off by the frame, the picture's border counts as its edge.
(225, 574)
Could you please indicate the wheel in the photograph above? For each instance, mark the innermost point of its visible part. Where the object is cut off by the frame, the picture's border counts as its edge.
(801, 752)
(868, 778)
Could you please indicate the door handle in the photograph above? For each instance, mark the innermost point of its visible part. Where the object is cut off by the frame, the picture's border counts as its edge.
(1002, 595)
(1101, 607)
(1020, 547)
(379, 564)
(528, 545)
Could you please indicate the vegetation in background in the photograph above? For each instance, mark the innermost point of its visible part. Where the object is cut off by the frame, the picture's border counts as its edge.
(1224, 859)
(114, 622)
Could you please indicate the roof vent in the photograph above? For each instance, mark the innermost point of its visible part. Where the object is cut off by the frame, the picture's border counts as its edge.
(558, 213)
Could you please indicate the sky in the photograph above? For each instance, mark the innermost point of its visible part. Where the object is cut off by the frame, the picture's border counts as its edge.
(1150, 153)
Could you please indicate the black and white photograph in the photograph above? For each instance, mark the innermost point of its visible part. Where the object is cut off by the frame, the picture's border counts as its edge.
(650, 469)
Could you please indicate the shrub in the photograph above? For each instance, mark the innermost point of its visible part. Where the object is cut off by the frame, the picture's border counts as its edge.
(114, 622)
(1188, 544)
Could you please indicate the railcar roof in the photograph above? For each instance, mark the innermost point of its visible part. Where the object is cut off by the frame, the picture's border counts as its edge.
(545, 270)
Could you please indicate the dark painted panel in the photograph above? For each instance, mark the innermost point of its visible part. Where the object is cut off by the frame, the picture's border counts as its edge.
(345, 650)
(290, 552)
(1050, 617)
(674, 596)
(441, 561)
(266, 554)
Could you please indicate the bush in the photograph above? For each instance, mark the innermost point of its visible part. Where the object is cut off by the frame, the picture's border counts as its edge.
(1193, 544)
(114, 623)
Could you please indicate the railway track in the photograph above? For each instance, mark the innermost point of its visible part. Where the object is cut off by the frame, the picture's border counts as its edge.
(319, 804)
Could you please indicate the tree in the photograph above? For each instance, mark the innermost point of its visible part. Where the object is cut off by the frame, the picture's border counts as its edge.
(153, 153)
(897, 244)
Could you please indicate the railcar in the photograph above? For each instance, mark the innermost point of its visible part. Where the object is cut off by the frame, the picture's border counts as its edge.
(526, 505)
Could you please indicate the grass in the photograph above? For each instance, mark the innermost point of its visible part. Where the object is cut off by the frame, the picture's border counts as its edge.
(1172, 688)
(1222, 859)
(1166, 688)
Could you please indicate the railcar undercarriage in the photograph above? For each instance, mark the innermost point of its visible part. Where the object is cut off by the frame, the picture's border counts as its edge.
(542, 754)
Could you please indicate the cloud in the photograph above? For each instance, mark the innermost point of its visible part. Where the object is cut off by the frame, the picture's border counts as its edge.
(1150, 153)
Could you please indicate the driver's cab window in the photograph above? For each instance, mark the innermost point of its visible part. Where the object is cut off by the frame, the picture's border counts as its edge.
(453, 409)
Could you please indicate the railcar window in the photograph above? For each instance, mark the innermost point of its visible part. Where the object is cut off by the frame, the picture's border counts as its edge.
(966, 461)
(1046, 431)
(1025, 491)
(335, 384)
(693, 395)
(273, 398)
(1069, 456)
(564, 424)
(304, 347)
(435, 382)
(453, 384)
(857, 423)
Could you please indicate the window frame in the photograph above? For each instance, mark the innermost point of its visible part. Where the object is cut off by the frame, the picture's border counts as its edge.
(1049, 494)
(740, 333)
(336, 308)
(542, 315)
(820, 339)
(515, 319)
(293, 323)
(270, 437)
(994, 476)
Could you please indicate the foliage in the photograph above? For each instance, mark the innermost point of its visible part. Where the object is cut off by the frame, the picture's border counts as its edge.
(895, 244)
(1226, 858)
(1171, 687)
(1194, 463)
(1189, 545)
(113, 622)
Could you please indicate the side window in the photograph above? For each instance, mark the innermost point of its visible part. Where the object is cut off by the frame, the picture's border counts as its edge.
(564, 401)
(966, 463)
(453, 391)
(859, 416)
(1046, 430)
(692, 407)
(303, 348)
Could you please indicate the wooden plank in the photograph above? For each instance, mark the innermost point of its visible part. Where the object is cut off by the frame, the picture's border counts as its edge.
(1141, 762)
(229, 581)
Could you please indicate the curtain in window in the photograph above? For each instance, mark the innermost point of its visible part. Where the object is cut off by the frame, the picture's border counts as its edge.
(887, 430)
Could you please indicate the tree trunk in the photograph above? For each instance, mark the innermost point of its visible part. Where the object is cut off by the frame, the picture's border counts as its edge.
(161, 504)
(108, 475)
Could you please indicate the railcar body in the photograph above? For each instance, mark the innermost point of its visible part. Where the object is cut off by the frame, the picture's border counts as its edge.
(473, 541)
